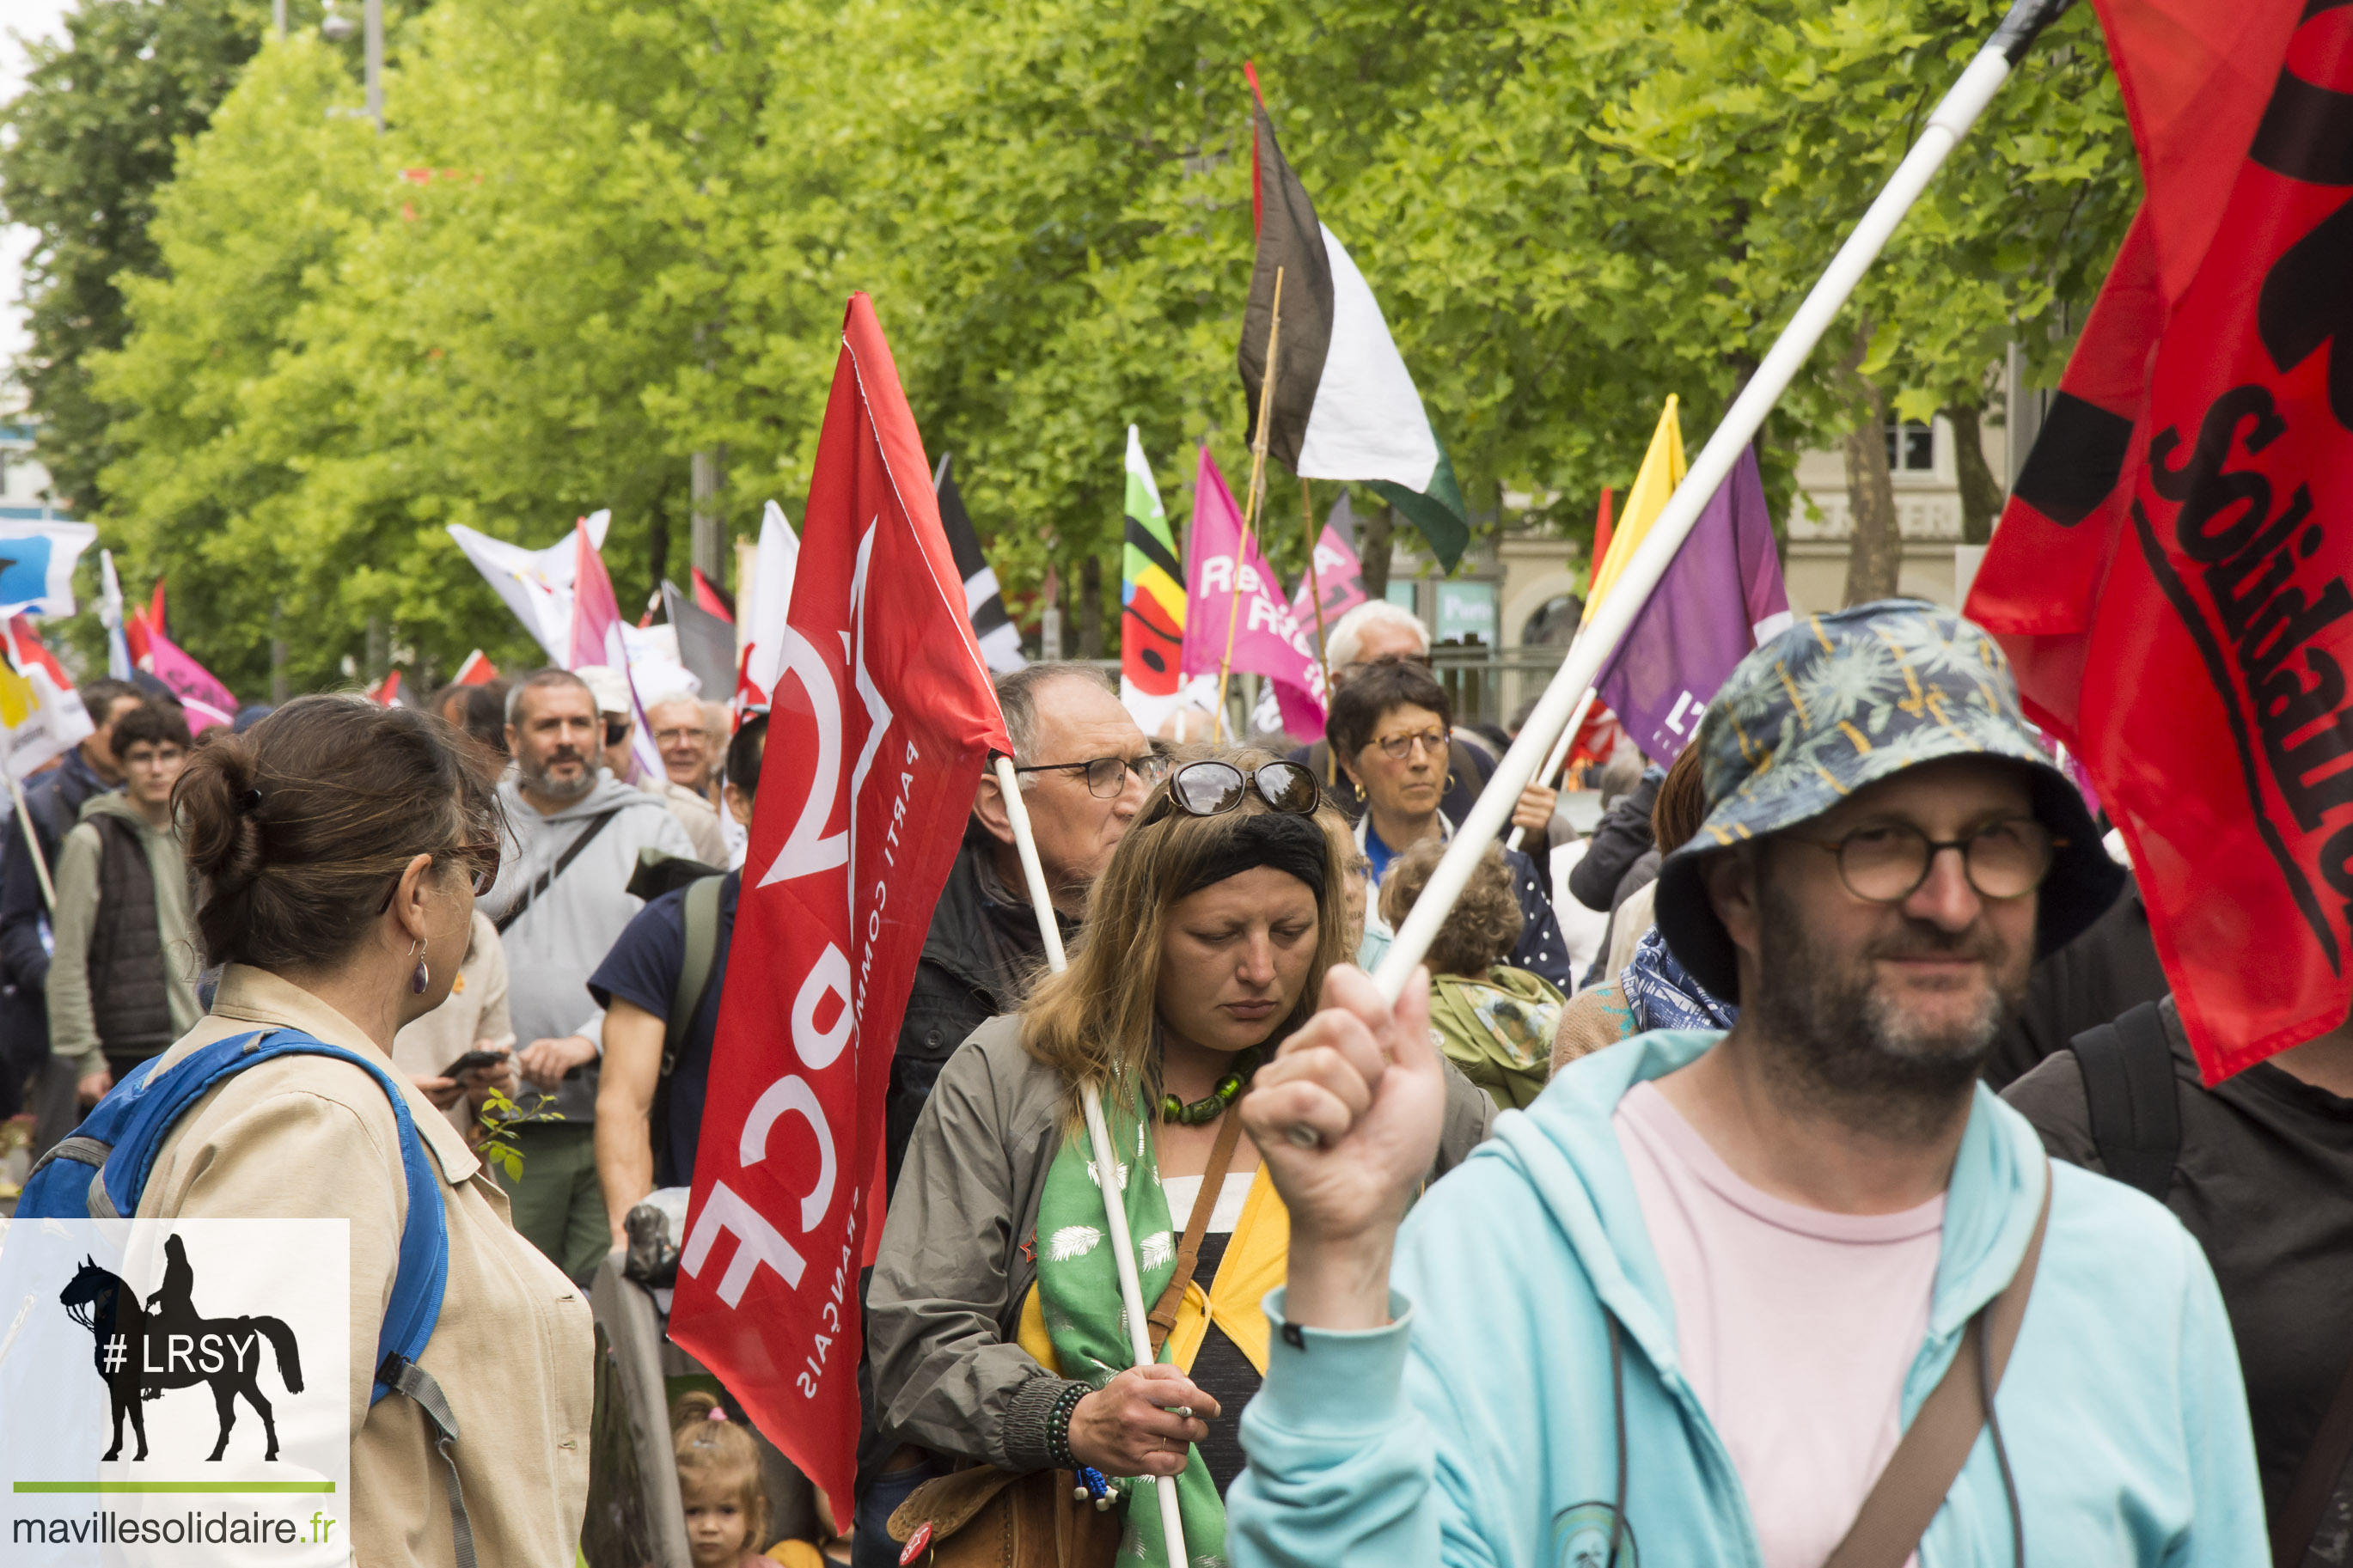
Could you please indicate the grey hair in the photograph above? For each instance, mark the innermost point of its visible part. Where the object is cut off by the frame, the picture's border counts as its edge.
(540, 679)
(1017, 698)
(1347, 638)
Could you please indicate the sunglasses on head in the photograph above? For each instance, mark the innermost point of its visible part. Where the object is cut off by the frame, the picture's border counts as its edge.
(1210, 789)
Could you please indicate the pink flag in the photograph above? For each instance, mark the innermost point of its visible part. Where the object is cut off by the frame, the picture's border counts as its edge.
(596, 639)
(205, 700)
(1339, 573)
(1267, 639)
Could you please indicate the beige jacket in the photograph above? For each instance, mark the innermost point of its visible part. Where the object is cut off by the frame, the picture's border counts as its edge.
(309, 1138)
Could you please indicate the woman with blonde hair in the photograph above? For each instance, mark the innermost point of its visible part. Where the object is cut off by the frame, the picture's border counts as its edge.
(994, 1319)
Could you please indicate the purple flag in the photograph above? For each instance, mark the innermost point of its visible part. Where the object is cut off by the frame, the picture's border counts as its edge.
(1721, 596)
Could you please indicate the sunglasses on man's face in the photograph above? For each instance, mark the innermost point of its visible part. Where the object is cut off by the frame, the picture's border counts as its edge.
(616, 731)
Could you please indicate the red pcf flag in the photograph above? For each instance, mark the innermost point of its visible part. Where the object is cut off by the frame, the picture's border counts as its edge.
(2170, 575)
(878, 727)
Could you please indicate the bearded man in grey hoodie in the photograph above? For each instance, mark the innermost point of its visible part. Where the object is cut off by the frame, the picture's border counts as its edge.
(561, 900)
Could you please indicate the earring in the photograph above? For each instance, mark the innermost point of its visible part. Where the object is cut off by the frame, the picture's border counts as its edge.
(420, 977)
(1450, 781)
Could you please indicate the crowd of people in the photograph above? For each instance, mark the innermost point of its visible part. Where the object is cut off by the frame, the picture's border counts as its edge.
(1733, 1187)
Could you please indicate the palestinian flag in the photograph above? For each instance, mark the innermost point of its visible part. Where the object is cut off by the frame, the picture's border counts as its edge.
(1152, 682)
(1345, 405)
(1000, 639)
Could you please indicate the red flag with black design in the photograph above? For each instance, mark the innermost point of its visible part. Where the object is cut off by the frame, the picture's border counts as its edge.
(2171, 577)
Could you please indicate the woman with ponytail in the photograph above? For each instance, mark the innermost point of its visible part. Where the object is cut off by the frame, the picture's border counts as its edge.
(337, 850)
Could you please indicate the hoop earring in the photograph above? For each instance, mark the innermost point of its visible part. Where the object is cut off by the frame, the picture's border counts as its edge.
(1450, 781)
(420, 977)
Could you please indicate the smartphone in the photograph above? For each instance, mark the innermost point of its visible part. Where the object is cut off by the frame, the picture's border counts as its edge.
(473, 1060)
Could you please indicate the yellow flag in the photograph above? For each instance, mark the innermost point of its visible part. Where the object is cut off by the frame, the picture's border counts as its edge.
(1662, 471)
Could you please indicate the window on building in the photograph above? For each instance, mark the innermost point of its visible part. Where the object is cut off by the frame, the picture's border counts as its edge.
(1911, 448)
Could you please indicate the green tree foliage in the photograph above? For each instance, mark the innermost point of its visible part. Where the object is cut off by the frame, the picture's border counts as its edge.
(83, 149)
(601, 236)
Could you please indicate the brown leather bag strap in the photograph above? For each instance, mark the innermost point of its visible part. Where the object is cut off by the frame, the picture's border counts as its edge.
(1162, 1316)
(1909, 1492)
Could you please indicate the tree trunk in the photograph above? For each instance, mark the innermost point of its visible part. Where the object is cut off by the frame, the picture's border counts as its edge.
(1876, 557)
(1090, 641)
(1380, 532)
(1981, 496)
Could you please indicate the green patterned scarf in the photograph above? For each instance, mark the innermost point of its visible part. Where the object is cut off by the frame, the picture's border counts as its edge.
(1078, 1290)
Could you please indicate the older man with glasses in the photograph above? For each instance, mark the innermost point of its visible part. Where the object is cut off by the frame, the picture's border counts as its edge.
(1085, 769)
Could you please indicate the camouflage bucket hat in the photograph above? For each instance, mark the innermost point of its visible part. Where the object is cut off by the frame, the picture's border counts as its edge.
(1840, 701)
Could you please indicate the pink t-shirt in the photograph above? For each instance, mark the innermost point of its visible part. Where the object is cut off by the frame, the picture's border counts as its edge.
(1795, 1326)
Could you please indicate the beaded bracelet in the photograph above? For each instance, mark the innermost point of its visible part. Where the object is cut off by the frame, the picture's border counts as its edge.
(1057, 1424)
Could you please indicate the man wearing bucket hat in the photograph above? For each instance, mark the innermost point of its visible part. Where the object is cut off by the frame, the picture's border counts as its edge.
(1740, 1298)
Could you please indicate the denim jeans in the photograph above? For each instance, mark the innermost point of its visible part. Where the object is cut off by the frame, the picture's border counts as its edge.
(871, 1546)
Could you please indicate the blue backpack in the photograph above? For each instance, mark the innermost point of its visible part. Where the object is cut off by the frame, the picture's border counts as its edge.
(101, 1169)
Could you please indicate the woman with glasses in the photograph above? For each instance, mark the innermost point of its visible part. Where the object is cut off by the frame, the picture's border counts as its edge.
(337, 850)
(1390, 727)
(994, 1319)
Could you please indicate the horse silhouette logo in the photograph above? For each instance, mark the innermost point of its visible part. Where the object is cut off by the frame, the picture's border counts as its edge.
(142, 1351)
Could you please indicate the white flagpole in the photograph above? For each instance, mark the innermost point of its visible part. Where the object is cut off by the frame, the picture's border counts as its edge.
(1950, 122)
(1123, 1248)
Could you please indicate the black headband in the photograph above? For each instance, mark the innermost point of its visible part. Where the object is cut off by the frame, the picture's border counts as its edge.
(1286, 841)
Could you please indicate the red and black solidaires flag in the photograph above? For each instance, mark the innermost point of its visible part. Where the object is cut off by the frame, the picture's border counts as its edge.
(2170, 576)
(878, 724)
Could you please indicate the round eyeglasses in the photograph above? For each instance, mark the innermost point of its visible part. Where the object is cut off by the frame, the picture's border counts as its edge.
(1433, 741)
(1210, 789)
(1887, 862)
(1106, 776)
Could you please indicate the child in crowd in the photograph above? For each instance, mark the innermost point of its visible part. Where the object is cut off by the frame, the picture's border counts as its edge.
(719, 1483)
(1492, 1021)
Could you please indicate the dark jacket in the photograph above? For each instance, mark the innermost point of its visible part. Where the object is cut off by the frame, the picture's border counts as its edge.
(56, 802)
(1620, 841)
(2263, 1179)
(979, 958)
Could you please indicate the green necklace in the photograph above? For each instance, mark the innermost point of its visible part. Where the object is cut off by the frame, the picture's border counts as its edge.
(1212, 1105)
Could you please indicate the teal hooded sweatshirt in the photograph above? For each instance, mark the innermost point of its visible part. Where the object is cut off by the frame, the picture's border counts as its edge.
(1478, 1427)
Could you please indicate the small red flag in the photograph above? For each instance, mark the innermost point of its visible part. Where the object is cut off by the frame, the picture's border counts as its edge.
(2169, 576)
(710, 598)
(478, 670)
(30, 651)
(880, 722)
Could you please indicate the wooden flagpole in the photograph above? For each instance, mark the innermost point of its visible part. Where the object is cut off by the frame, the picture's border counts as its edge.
(1107, 1165)
(1250, 509)
(1316, 588)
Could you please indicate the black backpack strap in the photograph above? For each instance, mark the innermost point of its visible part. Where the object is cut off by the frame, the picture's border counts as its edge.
(546, 879)
(2130, 1091)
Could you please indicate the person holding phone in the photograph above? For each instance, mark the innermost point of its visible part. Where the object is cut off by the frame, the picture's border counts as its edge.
(460, 1051)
